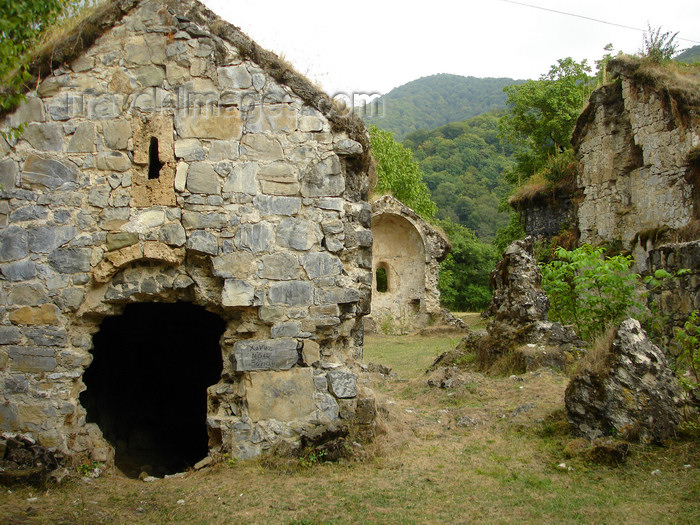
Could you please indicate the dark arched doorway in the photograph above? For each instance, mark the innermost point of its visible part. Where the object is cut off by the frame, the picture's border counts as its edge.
(147, 384)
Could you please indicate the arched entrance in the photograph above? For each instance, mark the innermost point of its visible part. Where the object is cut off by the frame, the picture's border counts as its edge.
(147, 384)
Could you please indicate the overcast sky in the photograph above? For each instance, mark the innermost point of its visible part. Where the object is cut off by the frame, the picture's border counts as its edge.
(372, 46)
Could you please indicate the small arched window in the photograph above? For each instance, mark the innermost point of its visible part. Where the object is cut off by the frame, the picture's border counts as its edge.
(154, 163)
(382, 279)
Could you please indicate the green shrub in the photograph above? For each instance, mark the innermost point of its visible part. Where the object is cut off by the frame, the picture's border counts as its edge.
(589, 290)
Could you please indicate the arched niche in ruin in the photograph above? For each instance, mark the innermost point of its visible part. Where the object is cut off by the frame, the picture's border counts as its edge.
(406, 252)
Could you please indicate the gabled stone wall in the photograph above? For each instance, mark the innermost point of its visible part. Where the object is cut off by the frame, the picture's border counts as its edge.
(162, 165)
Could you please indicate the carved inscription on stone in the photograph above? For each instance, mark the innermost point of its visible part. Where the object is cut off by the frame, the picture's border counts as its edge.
(272, 354)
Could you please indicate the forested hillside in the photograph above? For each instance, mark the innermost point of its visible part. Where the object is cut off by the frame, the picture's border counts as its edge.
(462, 164)
(436, 100)
(689, 56)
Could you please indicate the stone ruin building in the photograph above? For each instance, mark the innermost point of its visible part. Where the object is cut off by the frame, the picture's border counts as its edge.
(185, 246)
(406, 255)
(638, 147)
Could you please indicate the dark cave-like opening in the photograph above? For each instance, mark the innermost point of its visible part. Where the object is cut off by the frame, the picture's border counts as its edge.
(147, 384)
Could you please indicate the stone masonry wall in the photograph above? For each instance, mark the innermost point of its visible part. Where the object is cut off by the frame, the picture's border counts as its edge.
(633, 143)
(162, 166)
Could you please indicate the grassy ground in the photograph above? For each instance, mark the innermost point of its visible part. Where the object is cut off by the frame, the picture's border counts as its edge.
(423, 468)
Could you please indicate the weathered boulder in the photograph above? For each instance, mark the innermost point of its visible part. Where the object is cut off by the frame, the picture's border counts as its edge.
(635, 396)
(518, 297)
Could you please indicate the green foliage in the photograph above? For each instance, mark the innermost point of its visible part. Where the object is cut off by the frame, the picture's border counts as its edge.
(542, 115)
(89, 469)
(464, 274)
(509, 233)
(589, 290)
(559, 166)
(688, 360)
(601, 66)
(21, 24)
(398, 174)
(659, 47)
(436, 100)
(463, 163)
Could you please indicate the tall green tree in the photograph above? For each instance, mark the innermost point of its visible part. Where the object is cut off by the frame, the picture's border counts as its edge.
(464, 274)
(542, 115)
(398, 173)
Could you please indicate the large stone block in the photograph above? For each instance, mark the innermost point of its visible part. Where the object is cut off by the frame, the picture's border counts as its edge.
(113, 161)
(237, 265)
(243, 179)
(321, 264)
(32, 359)
(343, 383)
(257, 238)
(201, 178)
(261, 147)
(291, 293)
(275, 205)
(189, 150)
(283, 396)
(264, 354)
(298, 234)
(237, 292)
(44, 137)
(13, 243)
(224, 124)
(199, 220)
(70, 260)
(8, 174)
(281, 266)
(48, 173)
(83, 140)
(234, 77)
(19, 270)
(204, 242)
(45, 239)
(116, 133)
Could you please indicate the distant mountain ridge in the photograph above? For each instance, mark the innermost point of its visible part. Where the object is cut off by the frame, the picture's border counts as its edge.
(436, 100)
(689, 56)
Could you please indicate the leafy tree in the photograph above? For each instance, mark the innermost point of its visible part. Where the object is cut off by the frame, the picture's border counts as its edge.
(509, 233)
(542, 115)
(464, 274)
(588, 290)
(398, 173)
(463, 163)
(21, 24)
(687, 340)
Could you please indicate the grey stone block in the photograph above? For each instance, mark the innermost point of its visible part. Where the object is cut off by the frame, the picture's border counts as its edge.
(9, 335)
(47, 172)
(343, 383)
(32, 359)
(201, 178)
(45, 239)
(46, 335)
(172, 234)
(281, 266)
(44, 137)
(291, 293)
(13, 243)
(287, 329)
(19, 271)
(257, 238)
(298, 234)
(268, 354)
(8, 174)
(29, 213)
(70, 260)
(202, 241)
(273, 205)
(321, 264)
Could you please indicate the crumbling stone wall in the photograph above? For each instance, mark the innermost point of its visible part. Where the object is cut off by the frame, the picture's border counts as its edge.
(409, 250)
(634, 143)
(165, 164)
